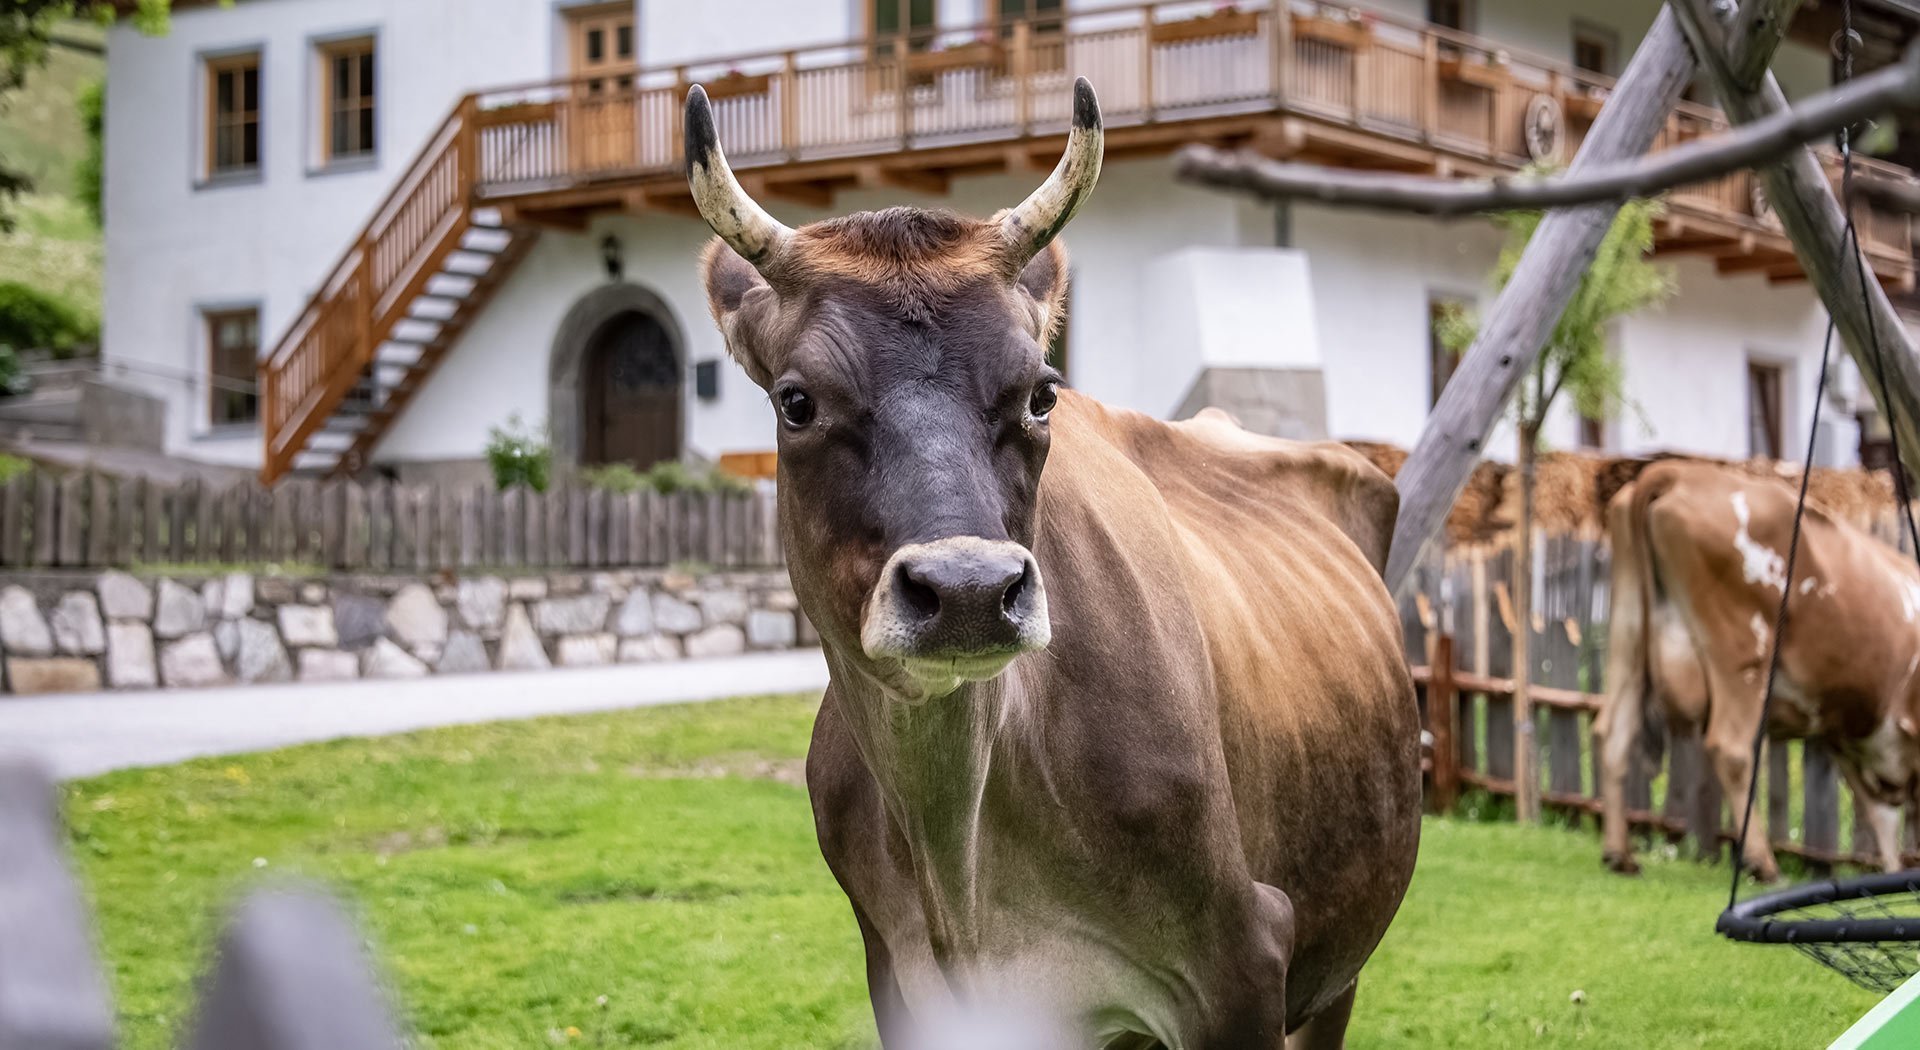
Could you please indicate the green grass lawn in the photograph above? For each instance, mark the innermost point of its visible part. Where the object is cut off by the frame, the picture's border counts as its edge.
(650, 879)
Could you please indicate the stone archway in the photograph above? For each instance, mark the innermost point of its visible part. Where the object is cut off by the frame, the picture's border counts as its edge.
(624, 333)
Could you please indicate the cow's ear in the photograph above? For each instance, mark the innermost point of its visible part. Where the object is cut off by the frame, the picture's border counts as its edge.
(734, 290)
(1044, 280)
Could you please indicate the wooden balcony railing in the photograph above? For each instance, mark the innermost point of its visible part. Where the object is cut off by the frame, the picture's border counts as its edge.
(1353, 85)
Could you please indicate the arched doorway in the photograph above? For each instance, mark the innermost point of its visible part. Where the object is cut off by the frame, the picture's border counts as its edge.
(615, 392)
(631, 389)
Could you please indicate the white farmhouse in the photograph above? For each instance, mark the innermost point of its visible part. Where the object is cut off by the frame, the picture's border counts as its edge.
(414, 219)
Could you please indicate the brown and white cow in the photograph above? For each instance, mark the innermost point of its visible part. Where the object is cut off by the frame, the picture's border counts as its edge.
(1120, 732)
(1699, 564)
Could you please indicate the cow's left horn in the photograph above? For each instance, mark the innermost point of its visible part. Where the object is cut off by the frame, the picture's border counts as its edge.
(1029, 227)
(743, 224)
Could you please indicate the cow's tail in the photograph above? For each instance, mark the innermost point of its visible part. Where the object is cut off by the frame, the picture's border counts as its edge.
(1630, 622)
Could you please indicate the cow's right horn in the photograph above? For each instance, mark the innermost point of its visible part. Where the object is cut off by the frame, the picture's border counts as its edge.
(1029, 227)
(743, 224)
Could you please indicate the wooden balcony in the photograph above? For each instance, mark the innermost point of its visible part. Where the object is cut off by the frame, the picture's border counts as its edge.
(1303, 79)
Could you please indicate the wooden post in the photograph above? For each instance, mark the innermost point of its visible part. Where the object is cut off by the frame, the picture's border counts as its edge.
(902, 89)
(1515, 330)
(56, 996)
(1146, 64)
(1282, 58)
(1443, 714)
(1429, 86)
(1022, 76)
(1361, 66)
(790, 105)
(1526, 746)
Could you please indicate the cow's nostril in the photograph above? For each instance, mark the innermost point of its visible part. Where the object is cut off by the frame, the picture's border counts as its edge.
(1014, 590)
(922, 599)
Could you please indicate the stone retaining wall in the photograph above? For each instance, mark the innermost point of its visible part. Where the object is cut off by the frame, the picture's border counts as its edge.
(67, 632)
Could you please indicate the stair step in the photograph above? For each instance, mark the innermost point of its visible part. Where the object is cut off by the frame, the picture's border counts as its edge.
(335, 441)
(433, 308)
(315, 460)
(451, 285)
(491, 241)
(487, 217)
(400, 354)
(467, 263)
(415, 330)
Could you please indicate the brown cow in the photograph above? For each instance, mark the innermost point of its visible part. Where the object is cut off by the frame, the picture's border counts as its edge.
(1130, 744)
(1699, 563)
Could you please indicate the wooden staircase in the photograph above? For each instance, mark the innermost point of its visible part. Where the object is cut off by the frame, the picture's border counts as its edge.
(421, 270)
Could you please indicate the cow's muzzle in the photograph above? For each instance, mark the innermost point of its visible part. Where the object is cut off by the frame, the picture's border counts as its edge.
(957, 609)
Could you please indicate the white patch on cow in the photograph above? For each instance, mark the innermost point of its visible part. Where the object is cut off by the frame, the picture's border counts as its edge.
(1759, 562)
(1807, 585)
(1913, 665)
(1910, 600)
(1760, 634)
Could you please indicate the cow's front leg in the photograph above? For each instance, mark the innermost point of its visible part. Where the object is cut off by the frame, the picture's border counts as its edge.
(1249, 1004)
(1326, 1030)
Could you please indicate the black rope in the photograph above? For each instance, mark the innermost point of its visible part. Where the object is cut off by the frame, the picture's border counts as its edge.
(1780, 622)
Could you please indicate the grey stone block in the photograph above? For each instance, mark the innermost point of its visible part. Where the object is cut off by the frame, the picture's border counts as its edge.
(520, 648)
(387, 660)
(77, 629)
(580, 614)
(767, 629)
(122, 597)
(587, 650)
(358, 619)
(192, 661)
(482, 602)
(308, 625)
(465, 654)
(415, 617)
(635, 616)
(328, 665)
(179, 612)
(261, 658)
(725, 606)
(22, 629)
(674, 616)
(722, 640)
(130, 663)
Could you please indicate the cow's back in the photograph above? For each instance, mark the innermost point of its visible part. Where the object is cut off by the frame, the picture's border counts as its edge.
(1280, 546)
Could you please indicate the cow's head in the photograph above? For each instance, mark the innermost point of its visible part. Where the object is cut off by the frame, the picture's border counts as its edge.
(903, 354)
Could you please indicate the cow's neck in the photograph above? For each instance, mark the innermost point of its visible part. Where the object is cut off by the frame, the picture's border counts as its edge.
(932, 761)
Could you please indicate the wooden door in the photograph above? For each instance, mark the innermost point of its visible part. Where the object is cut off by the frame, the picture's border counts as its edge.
(604, 54)
(633, 394)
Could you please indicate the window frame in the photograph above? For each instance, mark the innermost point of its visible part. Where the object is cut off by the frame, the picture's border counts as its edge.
(1048, 27)
(1605, 36)
(326, 108)
(1779, 371)
(210, 316)
(208, 67)
(1436, 298)
(609, 72)
(1467, 16)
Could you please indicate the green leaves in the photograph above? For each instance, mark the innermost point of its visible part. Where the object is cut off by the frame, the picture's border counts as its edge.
(1621, 282)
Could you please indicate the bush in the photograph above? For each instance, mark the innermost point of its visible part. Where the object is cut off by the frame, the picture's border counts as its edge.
(31, 319)
(13, 381)
(12, 467)
(519, 455)
(89, 172)
(665, 478)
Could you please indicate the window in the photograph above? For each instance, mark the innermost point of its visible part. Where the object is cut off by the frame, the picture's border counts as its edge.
(1764, 391)
(604, 47)
(1456, 15)
(233, 114)
(1441, 358)
(233, 363)
(1593, 432)
(348, 123)
(1049, 47)
(1594, 48)
(890, 18)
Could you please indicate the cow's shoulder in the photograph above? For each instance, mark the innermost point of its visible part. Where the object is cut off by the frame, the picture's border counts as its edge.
(1211, 460)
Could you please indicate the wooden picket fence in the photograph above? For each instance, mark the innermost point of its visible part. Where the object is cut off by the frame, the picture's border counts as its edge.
(290, 972)
(85, 520)
(1459, 629)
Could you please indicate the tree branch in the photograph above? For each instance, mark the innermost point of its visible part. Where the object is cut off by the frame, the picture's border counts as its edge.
(1747, 146)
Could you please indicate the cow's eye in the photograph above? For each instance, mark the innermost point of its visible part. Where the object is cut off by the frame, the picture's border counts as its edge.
(1044, 397)
(795, 406)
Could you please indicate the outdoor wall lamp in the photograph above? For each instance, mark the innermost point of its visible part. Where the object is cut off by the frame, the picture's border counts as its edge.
(613, 258)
